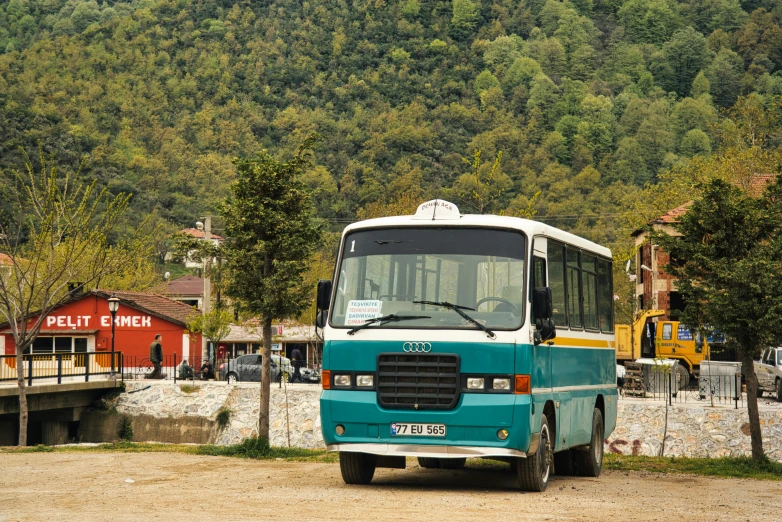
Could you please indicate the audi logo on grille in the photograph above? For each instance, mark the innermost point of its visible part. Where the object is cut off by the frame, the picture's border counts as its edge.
(417, 347)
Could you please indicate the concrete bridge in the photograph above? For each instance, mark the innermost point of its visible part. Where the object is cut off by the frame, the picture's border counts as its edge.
(55, 410)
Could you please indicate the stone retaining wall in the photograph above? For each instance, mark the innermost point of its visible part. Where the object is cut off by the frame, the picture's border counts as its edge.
(693, 430)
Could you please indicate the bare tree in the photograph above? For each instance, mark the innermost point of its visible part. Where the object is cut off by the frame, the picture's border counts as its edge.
(57, 233)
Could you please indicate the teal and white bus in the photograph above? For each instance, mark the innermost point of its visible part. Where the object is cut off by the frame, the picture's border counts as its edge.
(452, 336)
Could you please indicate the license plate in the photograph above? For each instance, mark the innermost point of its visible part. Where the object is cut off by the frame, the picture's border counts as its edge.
(418, 430)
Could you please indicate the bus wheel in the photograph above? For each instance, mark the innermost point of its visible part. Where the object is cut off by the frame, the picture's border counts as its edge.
(356, 468)
(564, 463)
(452, 463)
(428, 462)
(590, 462)
(534, 471)
(779, 390)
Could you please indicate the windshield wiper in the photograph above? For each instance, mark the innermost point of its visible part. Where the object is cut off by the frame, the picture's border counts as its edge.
(392, 318)
(458, 309)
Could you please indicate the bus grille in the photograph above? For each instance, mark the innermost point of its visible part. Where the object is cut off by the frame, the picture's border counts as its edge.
(418, 381)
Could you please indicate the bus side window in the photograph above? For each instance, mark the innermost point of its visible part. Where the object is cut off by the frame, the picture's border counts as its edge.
(574, 288)
(605, 295)
(556, 281)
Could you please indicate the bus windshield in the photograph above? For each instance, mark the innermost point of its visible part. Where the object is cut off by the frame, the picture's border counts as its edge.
(385, 271)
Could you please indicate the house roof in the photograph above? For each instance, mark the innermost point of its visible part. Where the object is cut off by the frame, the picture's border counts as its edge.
(5, 259)
(250, 334)
(754, 186)
(154, 304)
(199, 234)
(757, 184)
(160, 306)
(188, 285)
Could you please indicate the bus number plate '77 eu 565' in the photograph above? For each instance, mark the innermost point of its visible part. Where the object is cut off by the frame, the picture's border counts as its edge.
(425, 430)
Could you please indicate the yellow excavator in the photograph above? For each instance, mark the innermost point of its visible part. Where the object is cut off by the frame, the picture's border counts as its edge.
(664, 340)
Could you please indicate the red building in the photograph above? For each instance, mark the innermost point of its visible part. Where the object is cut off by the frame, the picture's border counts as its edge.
(83, 324)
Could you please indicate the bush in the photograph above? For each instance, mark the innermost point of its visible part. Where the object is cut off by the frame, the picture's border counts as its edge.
(223, 417)
(125, 428)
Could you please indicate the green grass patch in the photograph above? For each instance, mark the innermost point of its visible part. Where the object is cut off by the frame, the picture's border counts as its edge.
(257, 448)
(728, 467)
(188, 388)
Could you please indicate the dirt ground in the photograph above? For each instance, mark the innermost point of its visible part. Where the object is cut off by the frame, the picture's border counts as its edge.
(168, 486)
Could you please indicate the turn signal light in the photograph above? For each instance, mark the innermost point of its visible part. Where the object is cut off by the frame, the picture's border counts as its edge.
(522, 385)
(325, 379)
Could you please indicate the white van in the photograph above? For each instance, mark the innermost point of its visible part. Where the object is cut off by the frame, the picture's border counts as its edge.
(769, 372)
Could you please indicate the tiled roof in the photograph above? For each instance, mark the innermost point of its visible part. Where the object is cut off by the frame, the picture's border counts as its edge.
(186, 285)
(754, 186)
(155, 304)
(5, 260)
(757, 184)
(672, 216)
(199, 234)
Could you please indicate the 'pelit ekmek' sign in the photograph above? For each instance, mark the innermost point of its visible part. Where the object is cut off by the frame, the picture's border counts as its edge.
(85, 321)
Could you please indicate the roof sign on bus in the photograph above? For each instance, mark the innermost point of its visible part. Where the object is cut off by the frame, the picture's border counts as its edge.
(361, 311)
(437, 209)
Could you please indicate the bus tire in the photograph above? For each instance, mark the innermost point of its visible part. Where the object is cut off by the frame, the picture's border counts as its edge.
(356, 468)
(564, 463)
(534, 471)
(452, 463)
(590, 462)
(428, 462)
(779, 390)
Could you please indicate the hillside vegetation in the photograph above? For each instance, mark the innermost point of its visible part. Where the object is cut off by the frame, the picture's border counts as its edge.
(587, 101)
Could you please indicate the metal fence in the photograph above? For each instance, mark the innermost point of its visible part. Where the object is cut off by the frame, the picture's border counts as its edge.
(61, 366)
(667, 386)
(171, 369)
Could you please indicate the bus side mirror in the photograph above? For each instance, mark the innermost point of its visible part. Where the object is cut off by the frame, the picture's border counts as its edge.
(324, 294)
(543, 309)
(542, 300)
(322, 302)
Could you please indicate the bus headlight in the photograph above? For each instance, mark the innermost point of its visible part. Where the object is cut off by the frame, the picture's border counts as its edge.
(475, 383)
(501, 384)
(502, 434)
(343, 381)
(365, 381)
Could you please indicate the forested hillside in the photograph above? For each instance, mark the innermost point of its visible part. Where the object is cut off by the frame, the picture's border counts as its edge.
(587, 101)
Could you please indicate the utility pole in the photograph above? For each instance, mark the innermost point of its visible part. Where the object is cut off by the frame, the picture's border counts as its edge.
(207, 282)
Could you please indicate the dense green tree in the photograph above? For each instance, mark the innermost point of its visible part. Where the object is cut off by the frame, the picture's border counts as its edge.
(727, 271)
(724, 76)
(686, 54)
(649, 21)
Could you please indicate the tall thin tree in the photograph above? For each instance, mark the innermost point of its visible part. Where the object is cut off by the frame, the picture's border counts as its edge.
(273, 232)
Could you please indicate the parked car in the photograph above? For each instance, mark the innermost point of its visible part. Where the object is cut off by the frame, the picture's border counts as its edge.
(247, 368)
(769, 372)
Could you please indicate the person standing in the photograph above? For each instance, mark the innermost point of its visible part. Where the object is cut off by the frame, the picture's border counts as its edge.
(298, 360)
(156, 356)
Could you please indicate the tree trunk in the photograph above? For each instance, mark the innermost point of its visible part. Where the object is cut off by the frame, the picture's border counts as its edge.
(23, 413)
(756, 438)
(266, 378)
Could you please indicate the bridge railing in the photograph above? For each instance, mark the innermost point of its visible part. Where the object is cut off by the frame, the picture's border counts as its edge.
(60, 366)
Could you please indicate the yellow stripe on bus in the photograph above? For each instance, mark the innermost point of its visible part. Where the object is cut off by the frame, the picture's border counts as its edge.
(566, 342)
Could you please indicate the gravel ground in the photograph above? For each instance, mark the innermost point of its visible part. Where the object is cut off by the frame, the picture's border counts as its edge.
(170, 486)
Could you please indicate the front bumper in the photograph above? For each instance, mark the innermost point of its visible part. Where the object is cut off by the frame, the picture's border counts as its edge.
(416, 450)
